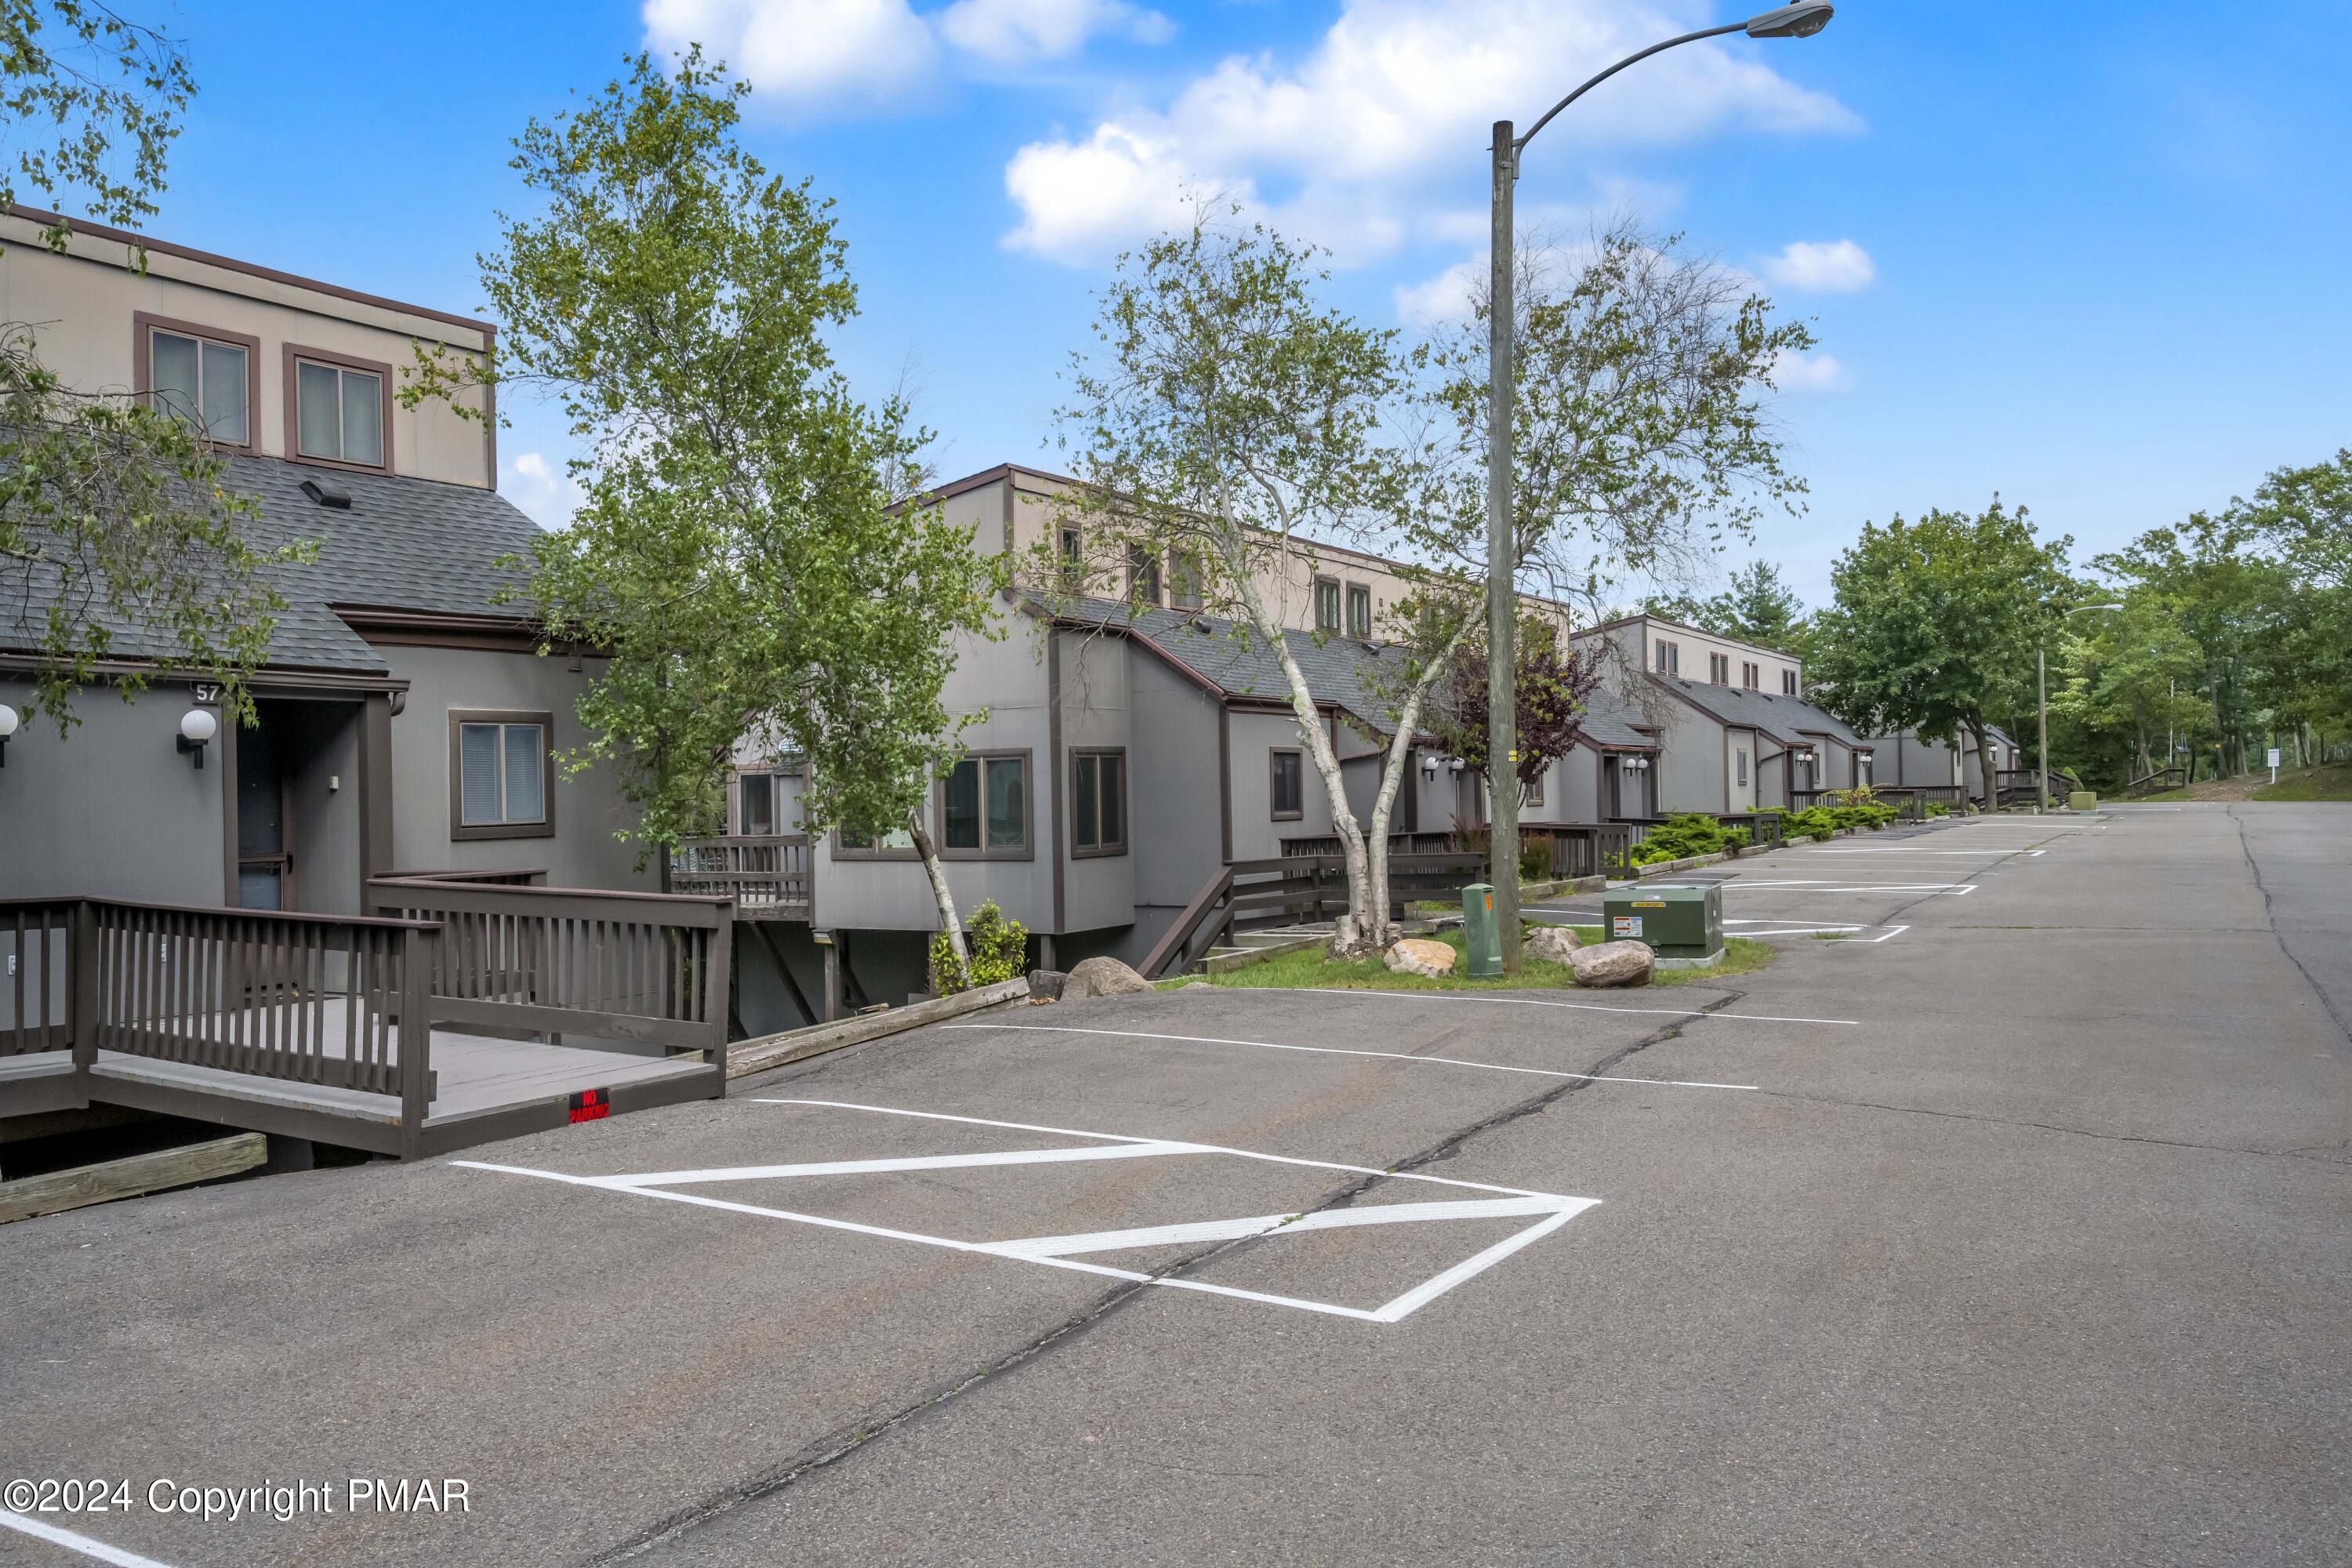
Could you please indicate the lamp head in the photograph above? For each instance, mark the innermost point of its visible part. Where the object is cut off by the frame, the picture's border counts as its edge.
(9, 721)
(196, 727)
(1798, 21)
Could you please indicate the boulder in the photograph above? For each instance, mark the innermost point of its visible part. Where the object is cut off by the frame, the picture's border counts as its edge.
(1414, 956)
(1046, 984)
(1103, 977)
(1552, 944)
(1613, 964)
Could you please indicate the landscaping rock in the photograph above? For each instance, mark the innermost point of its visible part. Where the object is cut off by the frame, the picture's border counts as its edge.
(1103, 977)
(1552, 944)
(1414, 956)
(1613, 964)
(1046, 984)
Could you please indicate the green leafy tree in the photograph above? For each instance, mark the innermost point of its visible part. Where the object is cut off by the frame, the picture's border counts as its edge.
(1936, 622)
(2129, 679)
(1226, 422)
(2218, 586)
(1757, 607)
(123, 552)
(746, 554)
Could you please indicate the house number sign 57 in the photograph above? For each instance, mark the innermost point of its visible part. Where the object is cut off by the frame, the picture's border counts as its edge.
(208, 693)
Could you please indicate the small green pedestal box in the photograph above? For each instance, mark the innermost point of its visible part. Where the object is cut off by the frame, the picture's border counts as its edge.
(1682, 923)
(1482, 940)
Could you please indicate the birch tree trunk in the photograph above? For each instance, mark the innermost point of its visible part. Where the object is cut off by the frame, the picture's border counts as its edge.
(1400, 757)
(950, 921)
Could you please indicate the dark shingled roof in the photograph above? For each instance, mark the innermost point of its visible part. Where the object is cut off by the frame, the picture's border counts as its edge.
(1355, 676)
(1783, 718)
(404, 544)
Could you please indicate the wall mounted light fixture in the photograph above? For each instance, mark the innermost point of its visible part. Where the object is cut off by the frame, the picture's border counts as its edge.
(196, 727)
(7, 728)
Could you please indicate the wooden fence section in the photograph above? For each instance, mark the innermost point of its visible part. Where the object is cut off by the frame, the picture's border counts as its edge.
(523, 960)
(303, 998)
(38, 938)
(770, 878)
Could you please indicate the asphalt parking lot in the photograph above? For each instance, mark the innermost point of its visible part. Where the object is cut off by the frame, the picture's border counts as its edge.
(2022, 1235)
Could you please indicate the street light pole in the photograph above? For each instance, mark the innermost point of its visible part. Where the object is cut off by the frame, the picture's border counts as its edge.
(1800, 20)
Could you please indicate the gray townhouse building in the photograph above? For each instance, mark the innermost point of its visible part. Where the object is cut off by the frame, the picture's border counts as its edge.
(270, 925)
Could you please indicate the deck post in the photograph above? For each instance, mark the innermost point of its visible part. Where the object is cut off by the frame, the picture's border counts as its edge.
(81, 986)
(832, 976)
(718, 993)
(416, 1036)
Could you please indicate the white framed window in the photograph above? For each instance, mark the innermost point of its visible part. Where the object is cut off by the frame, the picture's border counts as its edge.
(501, 772)
(339, 414)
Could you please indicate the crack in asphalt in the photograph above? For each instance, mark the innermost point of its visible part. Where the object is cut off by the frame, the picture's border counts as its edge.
(2335, 1155)
(850, 1438)
(2343, 1025)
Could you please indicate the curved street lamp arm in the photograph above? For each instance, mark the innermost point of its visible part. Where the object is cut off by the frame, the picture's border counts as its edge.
(1518, 143)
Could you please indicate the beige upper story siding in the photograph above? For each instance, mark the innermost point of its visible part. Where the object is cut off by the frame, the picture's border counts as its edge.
(1020, 510)
(1702, 657)
(81, 309)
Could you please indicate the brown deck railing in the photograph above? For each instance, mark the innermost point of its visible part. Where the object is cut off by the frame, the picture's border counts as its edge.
(35, 1003)
(768, 875)
(638, 966)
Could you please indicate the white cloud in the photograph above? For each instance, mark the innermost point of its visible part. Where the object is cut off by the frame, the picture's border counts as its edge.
(1019, 32)
(546, 495)
(1080, 199)
(1400, 92)
(1448, 299)
(1825, 267)
(1810, 372)
(806, 55)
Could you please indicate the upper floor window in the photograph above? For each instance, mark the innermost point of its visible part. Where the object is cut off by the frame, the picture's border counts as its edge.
(1718, 668)
(499, 768)
(1750, 676)
(339, 413)
(1184, 575)
(1360, 610)
(1788, 683)
(756, 808)
(984, 806)
(1099, 802)
(1326, 604)
(205, 381)
(1670, 658)
(1143, 572)
(1074, 554)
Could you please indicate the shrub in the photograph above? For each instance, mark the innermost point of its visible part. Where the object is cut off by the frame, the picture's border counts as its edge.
(1679, 837)
(1937, 808)
(1534, 859)
(999, 947)
(1814, 821)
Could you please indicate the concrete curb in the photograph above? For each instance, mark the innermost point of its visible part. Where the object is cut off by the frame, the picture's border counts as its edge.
(745, 1057)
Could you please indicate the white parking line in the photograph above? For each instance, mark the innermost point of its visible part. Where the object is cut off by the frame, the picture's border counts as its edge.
(1578, 1006)
(1342, 1051)
(1555, 1209)
(40, 1529)
(1952, 889)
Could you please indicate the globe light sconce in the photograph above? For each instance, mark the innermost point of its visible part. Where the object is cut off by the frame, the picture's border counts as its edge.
(1454, 765)
(1429, 766)
(1637, 765)
(7, 727)
(196, 727)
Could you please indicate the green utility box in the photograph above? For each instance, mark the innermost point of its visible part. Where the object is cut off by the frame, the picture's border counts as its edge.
(1482, 940)
(1681, 921)
(2082, 800)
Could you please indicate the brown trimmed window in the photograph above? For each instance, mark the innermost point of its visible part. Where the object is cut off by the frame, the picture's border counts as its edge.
(1360, 611)
(1286, 784)
(1788, 683)
(1670, 658)
(1750, 676)
(984, 808)
(1099, 801)
(207, 381)
(501, 775)
(1326, 604)
(1184, 575)
(340, 411)
(755, 807)
(1143, 572)
(1718, 668)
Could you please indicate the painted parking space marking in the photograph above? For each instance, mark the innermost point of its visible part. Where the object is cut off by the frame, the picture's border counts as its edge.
(99, 1551)
(1549, 1211)
(1342, 1051)
(1460, 997)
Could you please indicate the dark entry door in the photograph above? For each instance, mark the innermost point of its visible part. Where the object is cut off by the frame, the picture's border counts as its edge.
(265, 827)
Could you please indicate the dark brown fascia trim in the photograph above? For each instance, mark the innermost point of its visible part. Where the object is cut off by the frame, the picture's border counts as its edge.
(251, 269)
(295, 352)
(438, 628)
(142, 370)
(277, 678)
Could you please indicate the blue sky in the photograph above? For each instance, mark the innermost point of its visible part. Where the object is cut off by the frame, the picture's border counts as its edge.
(2092, 256)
